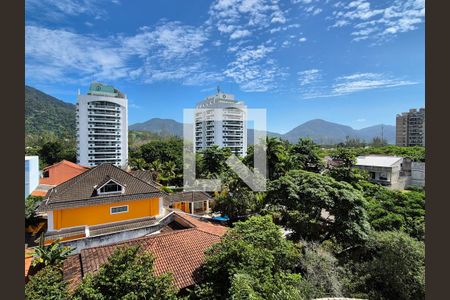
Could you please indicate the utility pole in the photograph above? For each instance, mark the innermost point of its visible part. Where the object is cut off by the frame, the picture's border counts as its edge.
(382, 133)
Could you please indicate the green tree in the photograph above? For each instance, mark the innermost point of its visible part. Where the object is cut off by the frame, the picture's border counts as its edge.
(213, 161)
(52, 254)
(390, 210)
(31, 204)
(343, 168)
(321, 272)
(236, 198)
(391, 266)
(127, 275)
(53, 152)
(305, 156)
(48, 283)
(278, 158)
(319, 208)
(252, 251)
(378, 142)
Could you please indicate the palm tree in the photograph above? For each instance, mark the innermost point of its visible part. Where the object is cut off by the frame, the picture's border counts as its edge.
(50, 254)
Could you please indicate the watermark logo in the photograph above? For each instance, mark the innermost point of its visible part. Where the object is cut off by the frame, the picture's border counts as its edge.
(225, 128)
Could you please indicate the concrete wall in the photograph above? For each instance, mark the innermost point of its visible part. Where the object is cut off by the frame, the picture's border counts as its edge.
(117, 237)
(31, 174)
(418, 173)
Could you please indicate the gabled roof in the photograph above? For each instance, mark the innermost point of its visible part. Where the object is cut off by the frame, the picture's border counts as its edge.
(378, 160)
(81, 189)
(145, 175)
(179, 252)
(67, 163)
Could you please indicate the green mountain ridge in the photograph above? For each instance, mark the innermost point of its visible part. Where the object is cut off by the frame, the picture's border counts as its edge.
(47, 114)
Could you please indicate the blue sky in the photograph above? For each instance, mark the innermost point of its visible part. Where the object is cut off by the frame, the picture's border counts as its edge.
(353, 62)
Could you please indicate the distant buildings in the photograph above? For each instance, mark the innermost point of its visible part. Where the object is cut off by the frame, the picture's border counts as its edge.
(221, 120)
(410, 128)
(384, 170)
(31, 174)
(102, 126)
(394, 172)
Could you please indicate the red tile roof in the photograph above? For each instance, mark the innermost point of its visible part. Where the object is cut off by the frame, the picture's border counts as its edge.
(179, 252)
(61, 172)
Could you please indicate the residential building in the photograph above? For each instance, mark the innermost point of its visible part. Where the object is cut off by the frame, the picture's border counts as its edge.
(178, 249)
(384, 170)
(102, 126)
(197, 203)
(56, 174)
(221, 120)
(410, 128)
(102, 199)
(31, 174)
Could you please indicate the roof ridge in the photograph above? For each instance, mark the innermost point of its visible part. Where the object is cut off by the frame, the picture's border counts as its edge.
(64, 185)
(158, 187)
(151, 236)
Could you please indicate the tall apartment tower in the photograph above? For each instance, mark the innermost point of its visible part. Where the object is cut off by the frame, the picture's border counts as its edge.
(410, 128)
(102, 126)
(221, 120)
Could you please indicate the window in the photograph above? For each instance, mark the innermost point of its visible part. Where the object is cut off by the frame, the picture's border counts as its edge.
(45, 174)
(119, 209)
(110, 187)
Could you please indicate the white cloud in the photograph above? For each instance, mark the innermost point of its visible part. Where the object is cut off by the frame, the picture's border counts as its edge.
(164, 53)
(254, 71)
(240, 34)
(381, 23)
(302, 39)
(314, 87)
(361, 120)
(308, 76)
(57, 10)
(366, 81)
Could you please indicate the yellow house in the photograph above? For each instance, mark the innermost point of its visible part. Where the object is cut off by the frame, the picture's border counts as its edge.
(102, 196)
(190, 202)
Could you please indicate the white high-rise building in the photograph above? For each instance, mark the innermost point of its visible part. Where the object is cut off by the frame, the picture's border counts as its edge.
(221, 120)
(102, 126)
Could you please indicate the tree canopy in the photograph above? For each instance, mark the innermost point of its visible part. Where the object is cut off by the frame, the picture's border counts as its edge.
(318, 207)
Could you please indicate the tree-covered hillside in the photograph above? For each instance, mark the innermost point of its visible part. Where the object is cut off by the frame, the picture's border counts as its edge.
(44, 114)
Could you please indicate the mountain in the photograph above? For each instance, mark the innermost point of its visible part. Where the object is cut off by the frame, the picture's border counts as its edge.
(44, 113)
(324, 132)
(163, 127)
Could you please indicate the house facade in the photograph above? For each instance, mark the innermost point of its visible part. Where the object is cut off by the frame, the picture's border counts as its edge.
(101, 197)
(384, 170)
(190, 202)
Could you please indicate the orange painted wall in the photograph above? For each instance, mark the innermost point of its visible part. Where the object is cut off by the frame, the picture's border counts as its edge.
(100, 214)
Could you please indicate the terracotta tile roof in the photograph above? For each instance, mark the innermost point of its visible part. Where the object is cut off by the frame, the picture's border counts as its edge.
(39, 193)
(67, 163)
(81, 190)
(61, 172)
(28, 260)
(180, 252)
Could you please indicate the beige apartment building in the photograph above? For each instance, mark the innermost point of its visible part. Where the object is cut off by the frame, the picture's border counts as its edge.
(410, 128)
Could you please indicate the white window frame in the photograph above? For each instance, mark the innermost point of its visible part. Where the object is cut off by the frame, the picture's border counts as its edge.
(107, 193)
(120, 212)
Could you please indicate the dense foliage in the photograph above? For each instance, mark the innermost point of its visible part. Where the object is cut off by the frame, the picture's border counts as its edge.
(318, 208)
(47, 284)
(395, 210)
(390, 266)
(253, 261)
(31, 204)
(127, 275)
(52, 254)
(45, 114)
